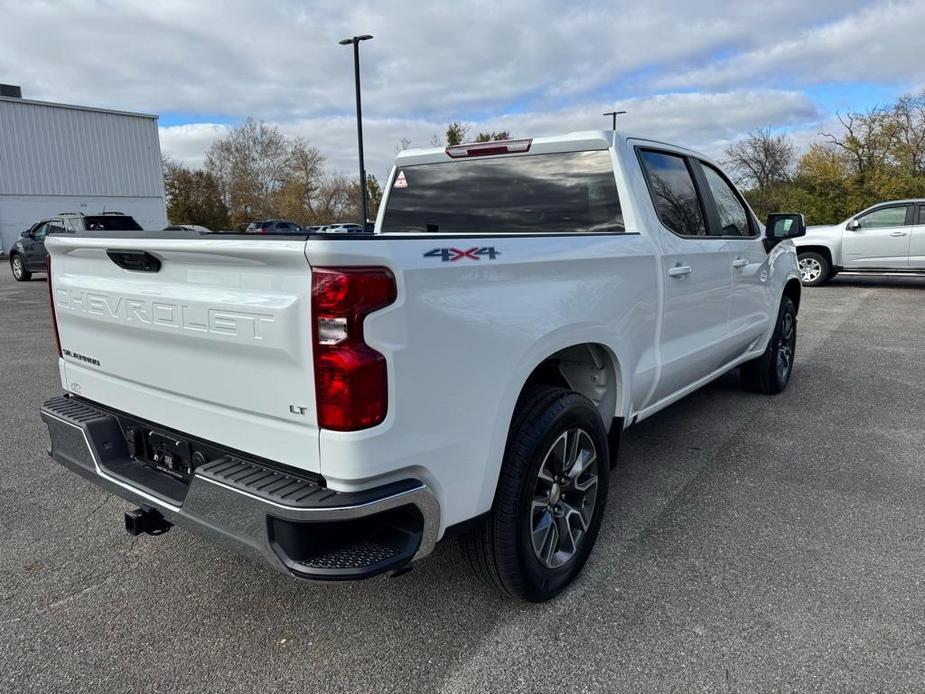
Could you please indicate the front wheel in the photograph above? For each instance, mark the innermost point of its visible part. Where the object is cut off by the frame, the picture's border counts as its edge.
(770, 373)
(550, 498)
(815, 269)
(18, 266)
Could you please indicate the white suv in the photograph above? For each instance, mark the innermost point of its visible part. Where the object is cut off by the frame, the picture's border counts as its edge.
(887, 237)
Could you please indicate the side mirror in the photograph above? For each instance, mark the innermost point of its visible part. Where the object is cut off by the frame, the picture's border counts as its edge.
(853, 225)
(782, 226)
(26, 234)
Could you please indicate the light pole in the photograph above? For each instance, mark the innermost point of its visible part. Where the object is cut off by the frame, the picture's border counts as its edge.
(356, 72)
(614, 114)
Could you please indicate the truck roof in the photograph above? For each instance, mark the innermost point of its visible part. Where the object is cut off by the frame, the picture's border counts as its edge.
(570, 142)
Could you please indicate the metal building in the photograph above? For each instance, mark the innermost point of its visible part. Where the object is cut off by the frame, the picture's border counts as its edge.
(58, 158)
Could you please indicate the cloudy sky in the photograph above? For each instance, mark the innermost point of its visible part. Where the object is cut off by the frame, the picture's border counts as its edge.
(699, 73)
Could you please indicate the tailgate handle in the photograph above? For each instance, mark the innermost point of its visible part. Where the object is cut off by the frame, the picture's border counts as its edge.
(139, 261)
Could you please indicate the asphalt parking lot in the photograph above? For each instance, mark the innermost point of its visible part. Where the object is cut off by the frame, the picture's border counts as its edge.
(751, 543)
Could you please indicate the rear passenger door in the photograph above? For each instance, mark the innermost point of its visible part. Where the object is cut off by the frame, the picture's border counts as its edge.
(750, 302)
(696, 274)
(917, 243)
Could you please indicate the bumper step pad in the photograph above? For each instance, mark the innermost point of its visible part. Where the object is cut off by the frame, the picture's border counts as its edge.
(288, 516)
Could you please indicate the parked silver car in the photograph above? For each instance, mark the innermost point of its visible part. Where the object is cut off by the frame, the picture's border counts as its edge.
(886, 237)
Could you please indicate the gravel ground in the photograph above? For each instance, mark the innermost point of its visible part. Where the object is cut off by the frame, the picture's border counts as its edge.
(751, 543)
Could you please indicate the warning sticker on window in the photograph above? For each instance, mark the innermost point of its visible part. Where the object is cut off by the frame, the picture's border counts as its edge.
(400, 180)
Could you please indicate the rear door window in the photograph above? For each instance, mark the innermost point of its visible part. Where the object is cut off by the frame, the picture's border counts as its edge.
(570, 192)
(674, 195)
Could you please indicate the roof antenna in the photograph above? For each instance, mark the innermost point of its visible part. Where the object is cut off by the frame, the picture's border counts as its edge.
(614, 114)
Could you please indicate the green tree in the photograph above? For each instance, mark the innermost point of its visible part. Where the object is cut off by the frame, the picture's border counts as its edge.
(193, 197)
(874, 155)
(489, 137)
(456, 133)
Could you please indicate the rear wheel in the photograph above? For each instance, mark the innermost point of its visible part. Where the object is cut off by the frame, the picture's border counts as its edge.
(770, 373)
(815, 269)
(18, 266)
(550, 498)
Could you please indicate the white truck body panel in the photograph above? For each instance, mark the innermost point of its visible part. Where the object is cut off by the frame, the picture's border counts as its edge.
(218, 342)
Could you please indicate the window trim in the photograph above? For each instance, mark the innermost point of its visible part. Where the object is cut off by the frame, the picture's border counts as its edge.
(640, 149)
(908, 221)
(921, 219)
(753, 228)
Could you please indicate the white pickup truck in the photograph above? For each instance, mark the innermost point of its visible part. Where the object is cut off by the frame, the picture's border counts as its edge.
(887, 237)
(337, 404)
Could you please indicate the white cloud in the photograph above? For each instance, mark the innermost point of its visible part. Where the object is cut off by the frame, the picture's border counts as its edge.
(704, 121)
(188, 143)
(281, 60)
(698, 72)
(881, 43)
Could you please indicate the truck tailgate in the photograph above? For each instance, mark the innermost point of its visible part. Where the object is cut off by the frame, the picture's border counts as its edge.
(216, 342)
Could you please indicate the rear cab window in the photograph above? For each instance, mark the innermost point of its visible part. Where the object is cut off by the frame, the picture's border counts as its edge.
(111, 222)
(560, 193)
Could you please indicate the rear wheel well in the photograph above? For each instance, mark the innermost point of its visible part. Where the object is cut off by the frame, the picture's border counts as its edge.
(589, 369)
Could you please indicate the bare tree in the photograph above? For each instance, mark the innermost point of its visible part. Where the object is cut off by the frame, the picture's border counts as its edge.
(263, 173)
(909, 117)
(868, 139)
(761, 159)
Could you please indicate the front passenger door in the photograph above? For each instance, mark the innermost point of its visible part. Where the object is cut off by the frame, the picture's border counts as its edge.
(878, 238)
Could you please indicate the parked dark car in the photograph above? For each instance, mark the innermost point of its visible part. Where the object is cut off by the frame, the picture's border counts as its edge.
(274, 226)
(28, 253)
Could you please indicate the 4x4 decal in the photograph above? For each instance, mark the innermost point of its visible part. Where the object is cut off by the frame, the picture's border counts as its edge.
(451, 255)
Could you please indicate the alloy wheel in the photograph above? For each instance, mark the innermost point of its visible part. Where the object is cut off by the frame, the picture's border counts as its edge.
(810, 269)
(785, 346)
(563, 498)
(17, 267)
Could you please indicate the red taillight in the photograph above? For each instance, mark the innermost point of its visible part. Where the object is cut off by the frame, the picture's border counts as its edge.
(484, 149)
(51, 301)
(351, 380)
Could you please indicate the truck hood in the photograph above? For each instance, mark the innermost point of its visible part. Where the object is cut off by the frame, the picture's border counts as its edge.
(819, 234)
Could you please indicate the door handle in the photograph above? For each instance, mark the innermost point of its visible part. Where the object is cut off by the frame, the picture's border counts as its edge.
(739, 263)
(898, 233)
(679, 270)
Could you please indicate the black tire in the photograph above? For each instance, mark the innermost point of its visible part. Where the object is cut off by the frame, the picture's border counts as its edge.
(501, 550)
(18, 268)
(815, 269)
(770, 373)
